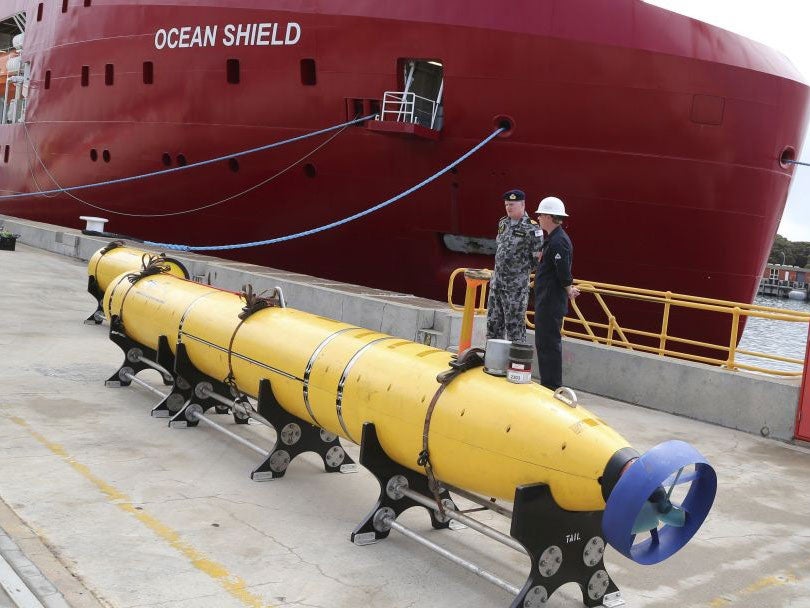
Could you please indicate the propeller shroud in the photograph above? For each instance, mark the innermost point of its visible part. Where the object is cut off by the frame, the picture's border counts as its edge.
(629, 508)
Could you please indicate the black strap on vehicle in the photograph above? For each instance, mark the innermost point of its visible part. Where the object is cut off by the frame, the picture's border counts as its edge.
(469, 359)
(253, 303)
(111, 245)
(150, 264)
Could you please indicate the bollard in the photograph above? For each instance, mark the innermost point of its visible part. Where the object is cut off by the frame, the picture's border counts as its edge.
(474, 278)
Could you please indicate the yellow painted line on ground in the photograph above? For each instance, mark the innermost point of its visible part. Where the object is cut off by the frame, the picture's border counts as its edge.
(232, 584)
(766, 582)
(770, 581)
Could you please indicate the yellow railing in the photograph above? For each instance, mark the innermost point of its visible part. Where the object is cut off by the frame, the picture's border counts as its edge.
(613, 333)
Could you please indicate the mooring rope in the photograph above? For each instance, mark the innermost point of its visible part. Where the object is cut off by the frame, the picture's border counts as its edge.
(31, 165)
(201, 163)
(173, 213)
(337, 223)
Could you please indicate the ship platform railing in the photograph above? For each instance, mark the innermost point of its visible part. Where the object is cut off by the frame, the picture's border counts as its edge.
(404, 106)
(611, 331)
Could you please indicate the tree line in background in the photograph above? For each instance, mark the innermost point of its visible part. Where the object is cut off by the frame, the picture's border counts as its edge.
(792, 254)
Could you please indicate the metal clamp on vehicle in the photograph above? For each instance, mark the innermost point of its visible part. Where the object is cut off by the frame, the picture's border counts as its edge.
(566, 395)
(469, 359)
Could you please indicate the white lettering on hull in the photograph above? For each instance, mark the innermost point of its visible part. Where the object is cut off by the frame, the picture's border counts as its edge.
(293, 27)
(186, 37)
(233, 34)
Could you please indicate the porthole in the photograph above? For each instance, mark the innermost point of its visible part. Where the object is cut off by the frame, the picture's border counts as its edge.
(39, 11)
(233, 165)
(181, 160)
(106, 156)
(167, 159)
(310, 170)
(94, 155)
(109, 74)
(48, 79)
(64, 6)
(85, 75)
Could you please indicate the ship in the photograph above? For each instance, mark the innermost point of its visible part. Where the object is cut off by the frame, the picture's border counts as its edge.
(671, 141)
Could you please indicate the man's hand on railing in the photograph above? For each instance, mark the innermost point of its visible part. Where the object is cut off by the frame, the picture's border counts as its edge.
(573, 291)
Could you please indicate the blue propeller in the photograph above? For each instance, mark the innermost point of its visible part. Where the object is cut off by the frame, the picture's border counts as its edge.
(642, 518)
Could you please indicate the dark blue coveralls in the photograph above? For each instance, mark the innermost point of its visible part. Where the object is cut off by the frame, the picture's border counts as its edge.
(551, 304)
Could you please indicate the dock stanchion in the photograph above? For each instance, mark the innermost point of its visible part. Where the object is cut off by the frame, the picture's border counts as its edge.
(563, 546)
(391, 502)
(294, 436)
(138, 357)
(474, 279)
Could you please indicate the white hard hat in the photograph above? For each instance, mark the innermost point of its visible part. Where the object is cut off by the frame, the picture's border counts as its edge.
(551, 205)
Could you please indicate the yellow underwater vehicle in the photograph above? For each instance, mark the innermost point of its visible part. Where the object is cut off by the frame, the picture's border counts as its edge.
(428, 423)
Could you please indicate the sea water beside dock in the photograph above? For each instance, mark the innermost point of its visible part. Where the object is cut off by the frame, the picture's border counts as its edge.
(785, 339)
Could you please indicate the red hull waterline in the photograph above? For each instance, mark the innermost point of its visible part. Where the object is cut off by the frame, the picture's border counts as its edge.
(665, 137)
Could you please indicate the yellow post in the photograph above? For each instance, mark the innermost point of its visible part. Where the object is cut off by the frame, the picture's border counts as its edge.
(732, 347)
(662, 345)
(474, 279)
(482, 296)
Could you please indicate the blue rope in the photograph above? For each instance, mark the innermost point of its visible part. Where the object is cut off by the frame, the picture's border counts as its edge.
(346, 220)
(186, 167)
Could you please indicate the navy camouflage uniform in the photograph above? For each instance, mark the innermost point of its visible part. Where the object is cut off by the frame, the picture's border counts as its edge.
(517, 243)
(551, 304)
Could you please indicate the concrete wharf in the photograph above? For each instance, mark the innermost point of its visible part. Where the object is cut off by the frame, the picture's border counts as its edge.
(101, 505)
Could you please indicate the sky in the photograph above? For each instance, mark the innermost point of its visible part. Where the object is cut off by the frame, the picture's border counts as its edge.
(785, 26)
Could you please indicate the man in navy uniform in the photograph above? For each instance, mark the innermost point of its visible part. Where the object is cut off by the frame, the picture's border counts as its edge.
(553, 286)
(518, 242)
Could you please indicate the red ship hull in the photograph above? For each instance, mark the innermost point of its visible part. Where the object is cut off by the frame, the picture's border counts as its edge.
(663, 135)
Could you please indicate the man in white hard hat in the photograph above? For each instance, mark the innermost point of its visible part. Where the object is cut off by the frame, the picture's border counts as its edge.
(553, 286)
(518, 242)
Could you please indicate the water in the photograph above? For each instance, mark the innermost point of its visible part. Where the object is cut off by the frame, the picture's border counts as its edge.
(775, 337)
